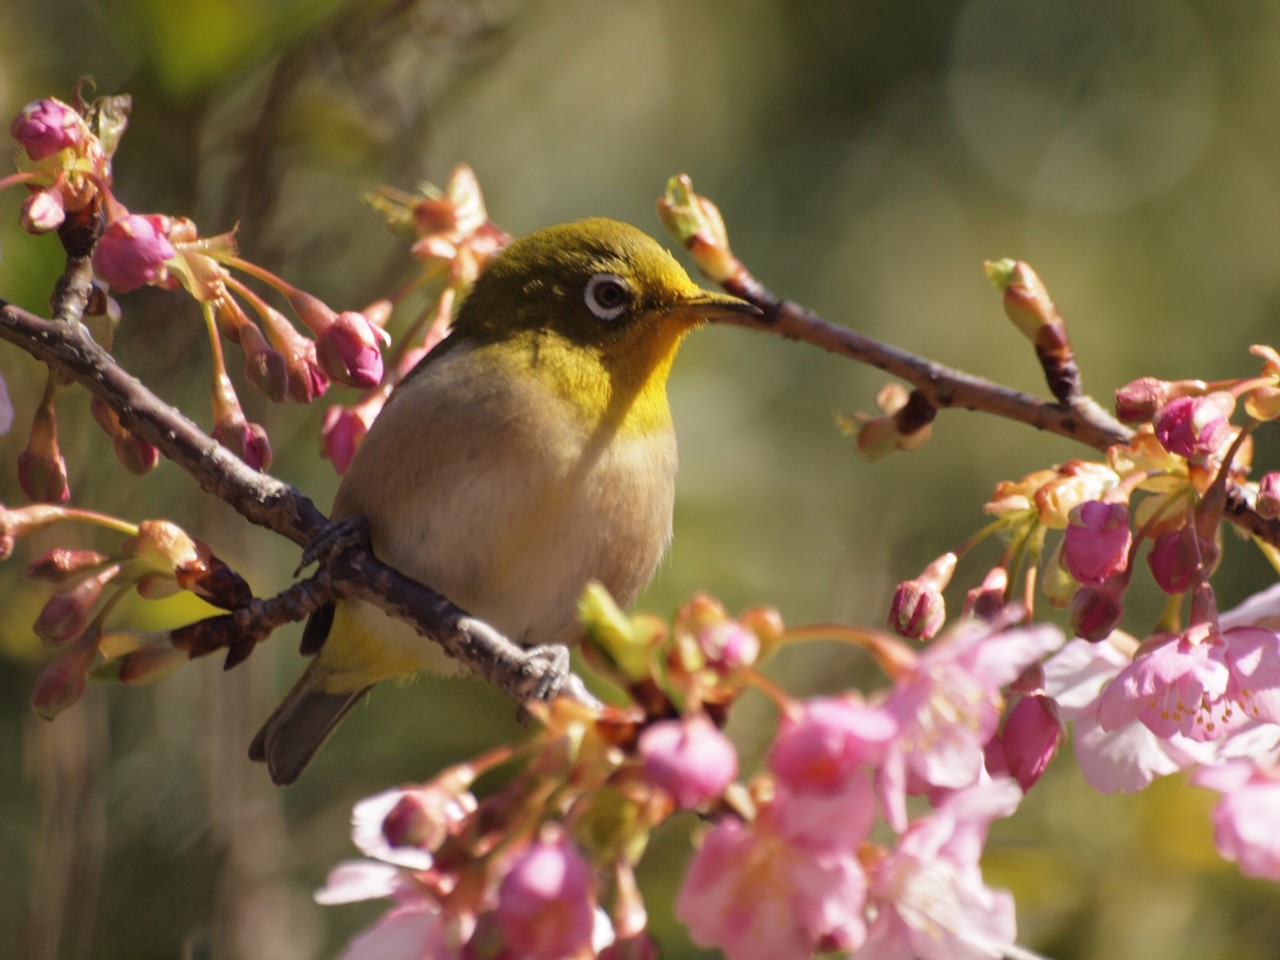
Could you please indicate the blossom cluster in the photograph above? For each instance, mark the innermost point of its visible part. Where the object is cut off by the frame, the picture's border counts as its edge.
(65, 164)
(787, 867)
(155, 559)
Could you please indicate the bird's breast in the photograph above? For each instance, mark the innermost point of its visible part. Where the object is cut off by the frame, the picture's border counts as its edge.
(497, 492)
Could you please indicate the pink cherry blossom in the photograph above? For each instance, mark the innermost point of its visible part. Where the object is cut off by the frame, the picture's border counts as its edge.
(949, 704)
(829, 742)
(546, 903)
(1097, 541)
(405, 826)
(756, 895)
(1128, 758)
(688, 758)
(1244, 822)
(927, 897)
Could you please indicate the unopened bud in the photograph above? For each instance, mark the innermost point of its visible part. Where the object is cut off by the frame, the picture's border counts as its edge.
(1268, 501)
(61, 564)
(1195, 426)
(1026, 301)
(44, 127)
(349, 350)
(133, 251)
(983, 602)
(1097, 541)
(696, 222)
(43, 211)
(66, 614)
(1096, 609)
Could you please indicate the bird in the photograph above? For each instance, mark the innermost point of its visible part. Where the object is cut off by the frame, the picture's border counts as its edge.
(531, 452)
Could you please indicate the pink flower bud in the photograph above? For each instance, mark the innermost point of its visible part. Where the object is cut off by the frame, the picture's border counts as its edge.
(1097, 541)
(1176, 560)
(1030, 738)
(65, 614)
(150, 664)
(59, 685)
(132, 252)
(246, 440)
(349, 352)
(43, 211)
(689, 759)
(43, 127)
(728, 646)
(918, 610)
(135, 454)
(1096, 609)
(1268, 501)
(341, 432)
(1195, 426)
(1138, 401)
(988, 599)
(546, 902)
(42, 474)
(264, 366)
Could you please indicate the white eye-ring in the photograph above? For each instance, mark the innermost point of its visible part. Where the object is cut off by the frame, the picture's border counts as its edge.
(607, 295)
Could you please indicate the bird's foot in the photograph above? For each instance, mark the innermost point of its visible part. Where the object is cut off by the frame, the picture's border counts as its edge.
(336, 537)
(546, 671)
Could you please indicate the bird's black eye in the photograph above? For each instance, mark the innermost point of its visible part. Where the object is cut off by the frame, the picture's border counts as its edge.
(607, 295)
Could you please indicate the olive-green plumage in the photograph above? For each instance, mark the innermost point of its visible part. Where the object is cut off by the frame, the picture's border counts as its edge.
(530, 452)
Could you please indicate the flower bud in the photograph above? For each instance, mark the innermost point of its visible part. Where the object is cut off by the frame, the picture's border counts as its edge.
(349, 352)
(61, 564)
(342, 430)
(988, 599)
(264, 366)
(42, 471)
(1032, 732)
(59, 685)
(65, 614)
(728, 646)
(132, 252)
(1026, 300)
(136, 455)
(43, 211)
(546, 902)
(614, 634)
(246, 440)
(1097, 541)
(1175, 561)
(696, 222)
(1096, 609)
(1195, 426)
(688, 758)
(43, 127)
(1139, 400)
(918, 610)
(144, 666)
(1268, 500)
(161, 546)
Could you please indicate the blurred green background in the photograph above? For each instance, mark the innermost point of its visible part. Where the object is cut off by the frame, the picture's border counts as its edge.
(867, 157)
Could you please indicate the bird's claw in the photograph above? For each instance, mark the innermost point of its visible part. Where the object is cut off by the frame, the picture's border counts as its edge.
(546, 669)
(337, 536)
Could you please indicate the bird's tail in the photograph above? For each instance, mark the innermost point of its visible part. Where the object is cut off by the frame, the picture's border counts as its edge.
(305, 719)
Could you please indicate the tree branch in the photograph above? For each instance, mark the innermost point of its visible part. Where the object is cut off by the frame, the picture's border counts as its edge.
(267, 502)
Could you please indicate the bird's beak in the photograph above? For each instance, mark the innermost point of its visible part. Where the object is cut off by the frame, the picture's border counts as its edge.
(704, 305)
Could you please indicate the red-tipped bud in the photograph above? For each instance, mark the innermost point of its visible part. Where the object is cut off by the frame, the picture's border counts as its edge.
(918, 610)
(1195, 426)
(696, 222)
(133, 251)
(61, 564)
(1096, 609)
(43, 127)
(1268, 501)
(136, 455)
(42, 472)
(1097, 541)
(246, 440)
(1139, 401)
(43, 211)
(983, 602)
(349, 350)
